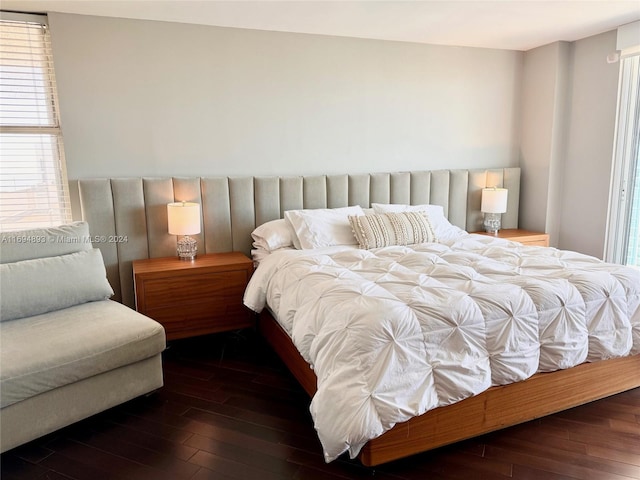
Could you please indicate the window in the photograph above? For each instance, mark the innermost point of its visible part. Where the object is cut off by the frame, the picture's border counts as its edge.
(33, 181)
(633, 241)
(623, 234)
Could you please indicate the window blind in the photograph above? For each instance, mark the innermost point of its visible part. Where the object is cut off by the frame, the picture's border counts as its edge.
(33, 181)
(622, 241)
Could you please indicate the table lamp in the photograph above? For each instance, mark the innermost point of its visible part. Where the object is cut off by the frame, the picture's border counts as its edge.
(184, 219)
(494, 203)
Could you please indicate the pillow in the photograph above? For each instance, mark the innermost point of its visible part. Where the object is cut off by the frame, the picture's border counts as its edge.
(259, 254)
(273, 235)
(322, 227)
(44, 242)
(384, 230)
(41, 285)
(442, 228)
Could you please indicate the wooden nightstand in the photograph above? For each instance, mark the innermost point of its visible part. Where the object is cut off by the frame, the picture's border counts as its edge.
(526, 237)
(194, 298)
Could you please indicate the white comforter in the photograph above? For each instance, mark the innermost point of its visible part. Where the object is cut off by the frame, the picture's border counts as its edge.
(396, 331)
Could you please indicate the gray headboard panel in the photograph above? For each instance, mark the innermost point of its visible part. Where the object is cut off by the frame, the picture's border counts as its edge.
(128, 216)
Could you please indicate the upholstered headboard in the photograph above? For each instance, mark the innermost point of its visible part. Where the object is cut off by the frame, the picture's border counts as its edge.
(128, 216)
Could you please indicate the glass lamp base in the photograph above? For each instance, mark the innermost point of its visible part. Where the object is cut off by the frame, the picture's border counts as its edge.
(187, 248)
(492, 222)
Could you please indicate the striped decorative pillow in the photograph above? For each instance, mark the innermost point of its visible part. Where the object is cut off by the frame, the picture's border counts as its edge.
(405, 228)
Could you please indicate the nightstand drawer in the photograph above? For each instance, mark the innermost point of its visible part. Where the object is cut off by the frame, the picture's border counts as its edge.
(187, 320)
(539, 243)
(525, 237)
(185, 289)
(194, 298)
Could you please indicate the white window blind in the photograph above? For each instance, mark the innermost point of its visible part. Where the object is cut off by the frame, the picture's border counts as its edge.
(622, 243)
(33, 181)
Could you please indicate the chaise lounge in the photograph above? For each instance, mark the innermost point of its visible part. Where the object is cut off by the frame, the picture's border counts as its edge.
(66, 350)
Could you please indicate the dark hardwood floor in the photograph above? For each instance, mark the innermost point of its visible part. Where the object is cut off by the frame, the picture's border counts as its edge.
(230, 410)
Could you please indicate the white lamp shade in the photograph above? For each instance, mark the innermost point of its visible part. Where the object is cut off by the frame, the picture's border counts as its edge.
(183, 218)
(494, 200)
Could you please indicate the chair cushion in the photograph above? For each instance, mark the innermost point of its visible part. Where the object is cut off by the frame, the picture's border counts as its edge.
(43, 352)
(44, 242)
(40, 285)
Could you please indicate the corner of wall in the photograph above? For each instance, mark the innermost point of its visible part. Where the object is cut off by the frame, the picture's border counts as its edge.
(559, 136)
(546, 83)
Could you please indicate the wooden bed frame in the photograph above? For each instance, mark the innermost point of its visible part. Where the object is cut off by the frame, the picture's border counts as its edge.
(493, 409)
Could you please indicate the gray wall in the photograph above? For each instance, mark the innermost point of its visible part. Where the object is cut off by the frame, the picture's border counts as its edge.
(142, 98)
(156, 98)
(568, 122)
(544, 131)
(587, 169)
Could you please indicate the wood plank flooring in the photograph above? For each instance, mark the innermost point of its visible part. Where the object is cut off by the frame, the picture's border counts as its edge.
(230, 410)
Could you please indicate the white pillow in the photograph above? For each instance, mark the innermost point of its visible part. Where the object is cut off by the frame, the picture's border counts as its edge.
(442, 228)
(273, 235)
(259, 254)
(322, 227)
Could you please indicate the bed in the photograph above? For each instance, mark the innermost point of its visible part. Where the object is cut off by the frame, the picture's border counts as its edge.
(134, 208)
(406, 323)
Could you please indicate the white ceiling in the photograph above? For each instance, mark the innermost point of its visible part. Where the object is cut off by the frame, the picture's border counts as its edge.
(505, 24)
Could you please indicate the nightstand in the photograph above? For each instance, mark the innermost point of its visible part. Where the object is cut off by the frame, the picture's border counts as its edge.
(526, 237)
(194, 297)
